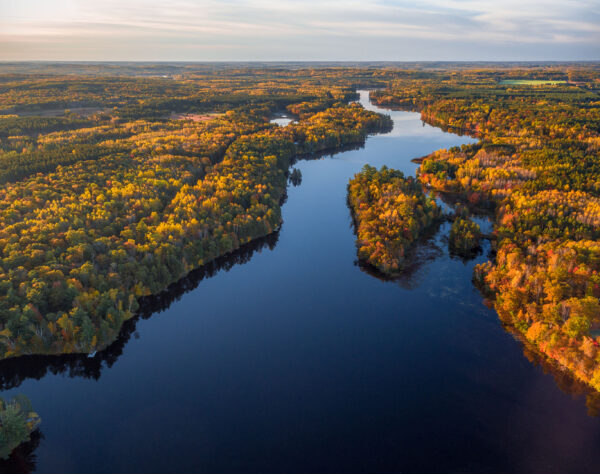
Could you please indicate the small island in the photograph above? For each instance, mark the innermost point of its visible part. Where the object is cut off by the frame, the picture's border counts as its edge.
(390, 212)
(17, 422)
(465, 236)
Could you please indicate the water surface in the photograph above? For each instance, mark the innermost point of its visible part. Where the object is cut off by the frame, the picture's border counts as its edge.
(290, 357)
(282, 120)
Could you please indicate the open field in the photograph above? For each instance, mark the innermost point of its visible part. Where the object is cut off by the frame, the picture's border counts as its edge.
(530, 82)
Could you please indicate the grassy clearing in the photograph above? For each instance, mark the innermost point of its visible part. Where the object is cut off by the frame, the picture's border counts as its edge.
(530, 82)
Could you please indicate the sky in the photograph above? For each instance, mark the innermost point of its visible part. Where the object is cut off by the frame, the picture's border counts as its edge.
(307, 30)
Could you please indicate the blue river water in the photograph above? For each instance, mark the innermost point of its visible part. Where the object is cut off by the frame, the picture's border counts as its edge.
(290, 357)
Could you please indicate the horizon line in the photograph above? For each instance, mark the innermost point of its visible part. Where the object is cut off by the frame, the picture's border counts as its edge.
(296, 61)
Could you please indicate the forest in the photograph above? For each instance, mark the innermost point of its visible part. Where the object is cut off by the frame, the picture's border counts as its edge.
(536, 168)
(114, 187)
(97, 211)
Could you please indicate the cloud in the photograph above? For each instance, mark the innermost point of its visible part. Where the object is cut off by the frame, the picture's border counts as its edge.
(295, 30)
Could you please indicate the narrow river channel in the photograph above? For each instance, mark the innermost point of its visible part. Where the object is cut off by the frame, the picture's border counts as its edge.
(288, 357)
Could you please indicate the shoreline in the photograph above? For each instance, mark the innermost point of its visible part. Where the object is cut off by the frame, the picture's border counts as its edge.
(464, 194)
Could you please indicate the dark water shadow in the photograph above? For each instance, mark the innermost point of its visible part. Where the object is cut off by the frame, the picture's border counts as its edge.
(465, 256)
(16, 370)
(327, 153)
(564, 380)
(23, 459)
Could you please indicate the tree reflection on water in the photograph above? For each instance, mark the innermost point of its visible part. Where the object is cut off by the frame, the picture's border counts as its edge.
(16, 370)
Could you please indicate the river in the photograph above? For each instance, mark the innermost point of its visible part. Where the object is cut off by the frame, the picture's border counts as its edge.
(290, 357)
